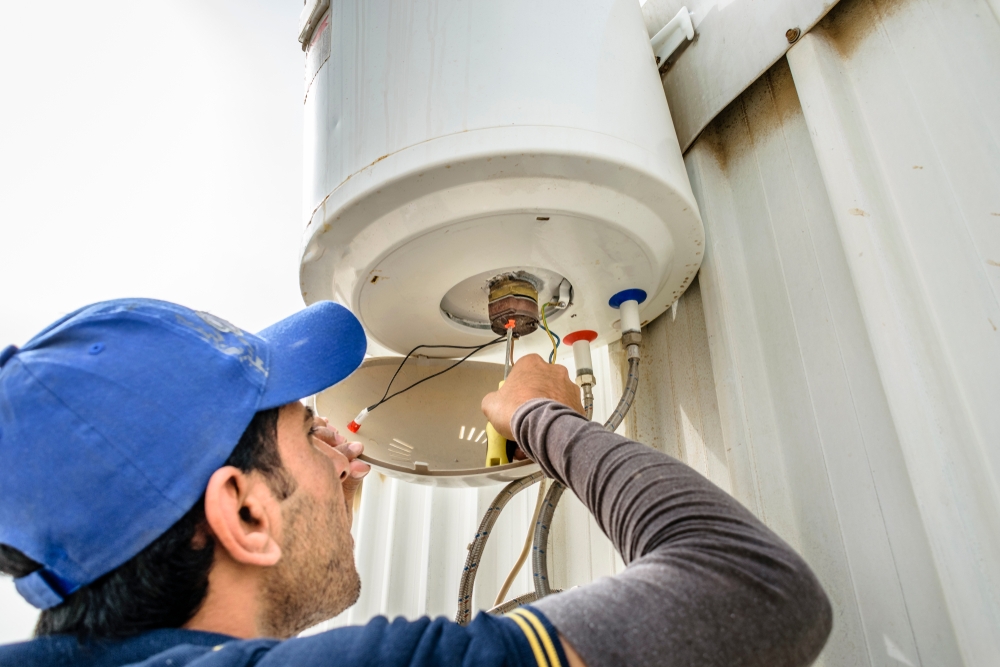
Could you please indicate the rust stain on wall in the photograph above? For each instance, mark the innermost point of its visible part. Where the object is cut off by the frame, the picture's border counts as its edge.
(852, 22)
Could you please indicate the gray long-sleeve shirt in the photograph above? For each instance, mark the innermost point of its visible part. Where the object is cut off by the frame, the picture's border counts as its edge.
(706, 583)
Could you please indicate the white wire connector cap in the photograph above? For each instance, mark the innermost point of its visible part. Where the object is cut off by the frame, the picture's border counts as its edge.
(356, 423)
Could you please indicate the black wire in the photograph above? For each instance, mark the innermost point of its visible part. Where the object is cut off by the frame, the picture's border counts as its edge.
(419, 347)
(474, 348)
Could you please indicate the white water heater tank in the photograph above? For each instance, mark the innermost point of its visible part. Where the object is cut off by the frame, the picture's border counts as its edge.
(450, 141)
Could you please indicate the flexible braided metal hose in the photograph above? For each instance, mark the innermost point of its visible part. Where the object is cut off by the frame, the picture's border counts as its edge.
(511, 605)
(631, 384)
(539, 558)
(464, 614)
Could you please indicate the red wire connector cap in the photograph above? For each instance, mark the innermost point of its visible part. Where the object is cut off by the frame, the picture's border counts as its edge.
(583, 334)
(510, 324)
(356, 423)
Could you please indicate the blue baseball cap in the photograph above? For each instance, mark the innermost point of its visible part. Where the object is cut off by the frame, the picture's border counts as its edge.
(113, 419)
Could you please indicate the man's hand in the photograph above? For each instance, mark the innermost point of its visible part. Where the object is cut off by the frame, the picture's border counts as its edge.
(352, 450)
(530, 378)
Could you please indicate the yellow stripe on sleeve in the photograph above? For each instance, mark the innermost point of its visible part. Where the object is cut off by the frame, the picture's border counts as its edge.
(532, 641)
(543, 634)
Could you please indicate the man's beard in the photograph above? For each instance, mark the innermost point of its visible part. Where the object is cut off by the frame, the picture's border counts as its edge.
(316, 577)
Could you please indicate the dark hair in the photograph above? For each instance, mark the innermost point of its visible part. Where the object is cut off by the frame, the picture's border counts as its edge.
(164, 585)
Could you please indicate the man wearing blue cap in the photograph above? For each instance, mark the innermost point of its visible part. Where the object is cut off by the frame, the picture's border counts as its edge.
(167, 500)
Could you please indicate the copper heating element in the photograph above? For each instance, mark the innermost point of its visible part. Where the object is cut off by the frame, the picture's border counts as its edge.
(513, 298)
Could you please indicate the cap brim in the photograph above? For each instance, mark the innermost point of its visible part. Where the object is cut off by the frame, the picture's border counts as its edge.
(311, 350)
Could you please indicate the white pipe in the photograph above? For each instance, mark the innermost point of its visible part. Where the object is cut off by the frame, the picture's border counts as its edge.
(630, 317)
(582, 358)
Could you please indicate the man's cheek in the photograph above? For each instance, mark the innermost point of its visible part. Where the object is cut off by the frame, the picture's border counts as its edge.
(325, 480)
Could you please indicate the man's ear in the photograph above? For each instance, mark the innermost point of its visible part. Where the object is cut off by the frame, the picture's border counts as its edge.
(242, 514)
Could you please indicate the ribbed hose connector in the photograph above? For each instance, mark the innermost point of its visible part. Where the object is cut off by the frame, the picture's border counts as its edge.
(464, 614)
(588, 401)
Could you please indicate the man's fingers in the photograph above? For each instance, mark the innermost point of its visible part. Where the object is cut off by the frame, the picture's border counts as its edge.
(530, 378)
(351, 450)
(489, 400)
(494, 407)
(359, 469)
(330, 435)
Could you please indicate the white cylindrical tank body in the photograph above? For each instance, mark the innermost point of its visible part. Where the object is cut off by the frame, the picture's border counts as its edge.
(448, 142)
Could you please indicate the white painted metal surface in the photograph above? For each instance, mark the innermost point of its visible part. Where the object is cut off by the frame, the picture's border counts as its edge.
(902, 101)
(849, 305)
(811, 445)
(446, 139)
(736, 42)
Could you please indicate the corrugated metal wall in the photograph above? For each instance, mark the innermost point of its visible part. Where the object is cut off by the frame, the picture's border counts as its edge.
(813, 449)
(837, 365)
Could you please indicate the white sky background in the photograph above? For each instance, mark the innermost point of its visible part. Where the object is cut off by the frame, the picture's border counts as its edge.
(147, 148)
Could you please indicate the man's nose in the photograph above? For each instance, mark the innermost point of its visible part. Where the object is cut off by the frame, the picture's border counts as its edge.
(340, 462)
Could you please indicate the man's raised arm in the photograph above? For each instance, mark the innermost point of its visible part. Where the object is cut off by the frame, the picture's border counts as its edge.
(706, 583)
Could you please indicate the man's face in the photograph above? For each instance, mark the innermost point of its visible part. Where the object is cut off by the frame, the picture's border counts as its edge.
(316, 578)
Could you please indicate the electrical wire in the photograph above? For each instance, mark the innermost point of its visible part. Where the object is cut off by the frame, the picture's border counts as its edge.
(525, 549)
(552, 354)
(474, 348)
(554, 341)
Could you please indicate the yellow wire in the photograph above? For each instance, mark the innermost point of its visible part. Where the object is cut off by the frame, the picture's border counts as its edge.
(545, 325)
